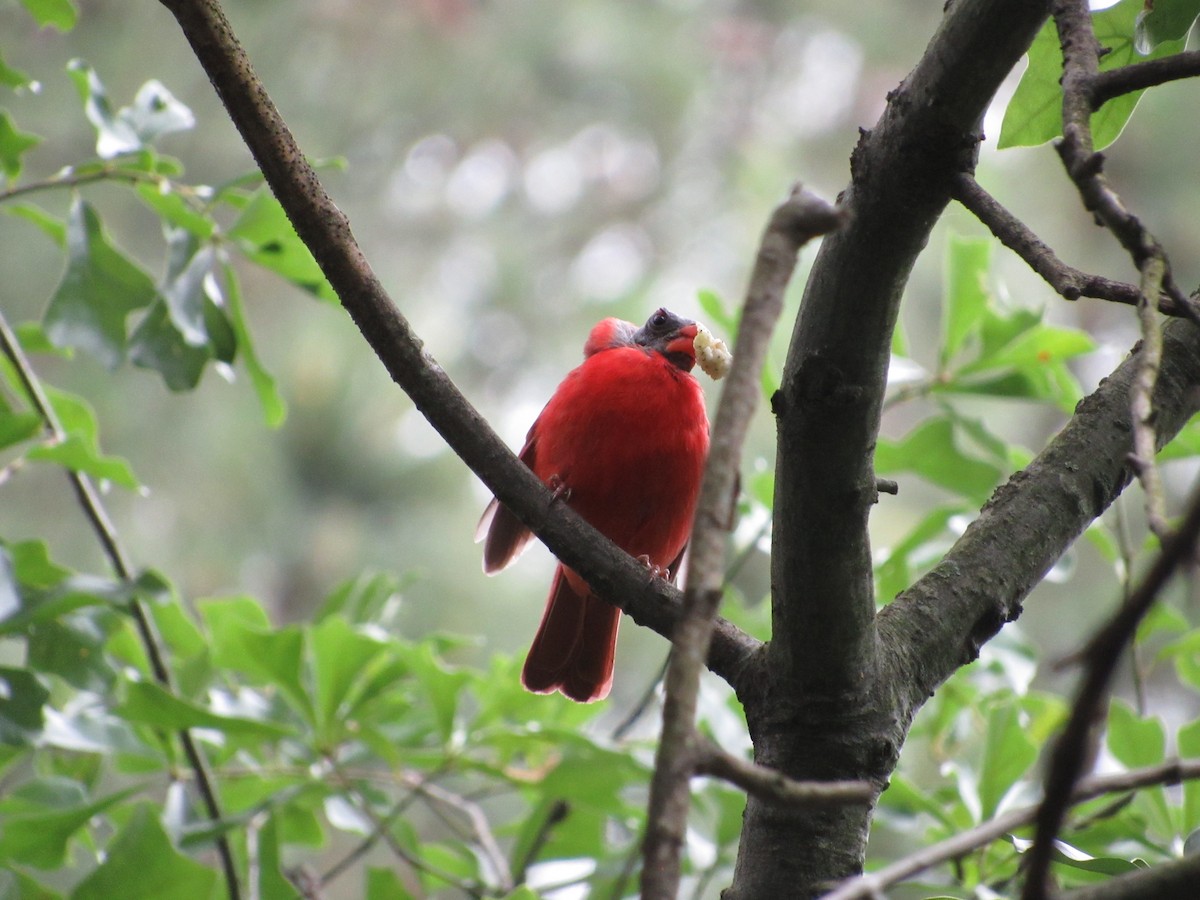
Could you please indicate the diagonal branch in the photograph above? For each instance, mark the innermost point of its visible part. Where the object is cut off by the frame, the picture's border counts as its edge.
(958, 845)
(1141, 75)
(940, 623)
(106, 533)
(1066, 280)
(774, 786)
(1172, 880)
(829, 404)
(1102, 654)
(1081, 61)
(796, 221)
(325, 230)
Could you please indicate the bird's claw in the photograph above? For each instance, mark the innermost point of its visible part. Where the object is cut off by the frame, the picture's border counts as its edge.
(655, 571)
(558, 489)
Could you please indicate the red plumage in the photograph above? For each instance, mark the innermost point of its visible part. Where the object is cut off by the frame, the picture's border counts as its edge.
(624, 439)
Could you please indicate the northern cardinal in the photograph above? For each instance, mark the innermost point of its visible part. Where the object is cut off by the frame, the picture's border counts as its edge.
(623, 442)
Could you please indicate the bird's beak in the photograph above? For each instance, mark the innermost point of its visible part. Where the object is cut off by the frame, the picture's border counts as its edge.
(684, 340)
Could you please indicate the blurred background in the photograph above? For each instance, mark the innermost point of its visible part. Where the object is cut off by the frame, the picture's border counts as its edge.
(514, 172)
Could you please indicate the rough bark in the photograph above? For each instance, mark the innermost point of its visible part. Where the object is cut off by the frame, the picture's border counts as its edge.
(818, 708)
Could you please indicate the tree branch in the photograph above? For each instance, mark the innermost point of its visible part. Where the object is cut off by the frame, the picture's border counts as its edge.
(1141, 75)
(874, 884)
(106, 533)
(939, 623)
(768, 784)
(1081, 62)
(1141, 401)
(1102, 654)
(1066, 280)
(796, 221)
(325, 230)
(829, 405)
(1173, 880)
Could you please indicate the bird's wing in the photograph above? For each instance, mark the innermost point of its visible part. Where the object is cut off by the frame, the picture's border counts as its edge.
(504, 537)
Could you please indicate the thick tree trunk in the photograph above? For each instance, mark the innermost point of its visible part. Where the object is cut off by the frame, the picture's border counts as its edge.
(821, 708)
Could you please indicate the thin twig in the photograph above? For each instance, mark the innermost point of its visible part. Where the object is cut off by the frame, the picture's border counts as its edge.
(769, 784)
(1081, 53)
(1141, 75)
(106, 533)
(1066, 280)
(69, 178)
(1141, 399)
(557, 812)
(1102, 654)
(797, 220)
(483, 836)
(381, 826)
(639, 709)
(364, 846)
(962, 843)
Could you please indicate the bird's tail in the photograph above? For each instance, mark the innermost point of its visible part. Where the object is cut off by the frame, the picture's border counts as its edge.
(575, 644)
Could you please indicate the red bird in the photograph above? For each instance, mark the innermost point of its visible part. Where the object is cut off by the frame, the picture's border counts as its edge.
(623, 442)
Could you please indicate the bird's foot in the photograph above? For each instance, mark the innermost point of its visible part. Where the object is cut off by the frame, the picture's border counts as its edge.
(558, 488)
(655, 571)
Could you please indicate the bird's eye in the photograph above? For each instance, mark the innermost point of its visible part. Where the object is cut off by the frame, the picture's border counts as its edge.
(659, 318)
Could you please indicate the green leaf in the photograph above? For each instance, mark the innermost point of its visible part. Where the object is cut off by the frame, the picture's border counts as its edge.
(154, 112)
(919, 550)
(14, 143)
(98, 291)
(32, 566)
(453, 861)
(1185, 444)
(273, 406)
(13, 78)
(73, 649)
(1034, 347)
(19, 886)
(342, 660)
(384, 884)
(184, 328)
(242, 640)
(1189, 748)
(443, 685)
(149, 703)
(361, 599)
(68, 595)
(716, 311)
(267, 238)
(931, 450)
(157, 344)
(78, 455)
(1034, 114)
(22, 699)
(16, 427)
(52, 227)
(272, 884)
(1008, 754)
(1134, 741)
(75, 414)
(141, 864)
(60, 14)
(1164, 20)
(38, 819)
(32, 338)
(164, 198)
(967, 264)
(1186, 652)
